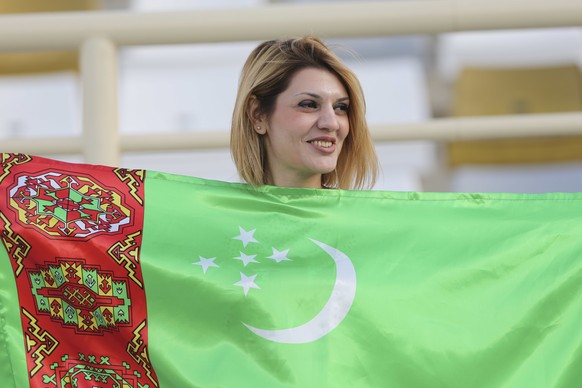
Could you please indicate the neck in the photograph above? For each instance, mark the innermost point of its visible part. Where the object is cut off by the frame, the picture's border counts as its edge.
(311, 182)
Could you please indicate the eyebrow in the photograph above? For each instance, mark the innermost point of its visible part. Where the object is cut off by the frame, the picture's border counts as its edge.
(317, 96)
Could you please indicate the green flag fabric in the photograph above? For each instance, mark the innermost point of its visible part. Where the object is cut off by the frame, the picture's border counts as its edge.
(129, 278)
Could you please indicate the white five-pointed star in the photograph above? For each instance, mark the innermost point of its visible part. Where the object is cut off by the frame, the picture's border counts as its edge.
(246, 258)
(245, 237)
(279, 256)
(247, 282)
(205, 263)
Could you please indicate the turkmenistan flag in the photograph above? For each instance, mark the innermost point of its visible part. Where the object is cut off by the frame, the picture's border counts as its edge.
(128, 278)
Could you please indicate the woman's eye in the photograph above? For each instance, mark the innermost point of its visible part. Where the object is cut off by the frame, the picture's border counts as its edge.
(342, 107)
(308, 104)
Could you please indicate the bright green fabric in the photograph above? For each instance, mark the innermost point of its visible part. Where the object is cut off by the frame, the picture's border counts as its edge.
(452, 290)
(12, 357)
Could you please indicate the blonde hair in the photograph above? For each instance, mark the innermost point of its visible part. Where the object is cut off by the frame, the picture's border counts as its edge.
(266, 74)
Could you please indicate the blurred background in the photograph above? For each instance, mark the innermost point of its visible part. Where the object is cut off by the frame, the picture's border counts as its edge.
(191, 89)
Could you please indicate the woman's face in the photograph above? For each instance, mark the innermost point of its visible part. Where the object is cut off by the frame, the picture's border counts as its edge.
(305, 133)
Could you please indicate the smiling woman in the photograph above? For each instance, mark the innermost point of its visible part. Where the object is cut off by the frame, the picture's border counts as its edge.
(299, 119)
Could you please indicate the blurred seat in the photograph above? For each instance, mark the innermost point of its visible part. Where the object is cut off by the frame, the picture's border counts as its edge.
(506, 91)
(39, 89)
(41, 62)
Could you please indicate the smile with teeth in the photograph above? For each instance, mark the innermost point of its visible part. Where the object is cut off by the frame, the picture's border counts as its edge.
(322, 143)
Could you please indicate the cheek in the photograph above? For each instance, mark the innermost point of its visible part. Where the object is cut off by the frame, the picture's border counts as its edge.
(283, 124)
(292, 130)
(345, 128)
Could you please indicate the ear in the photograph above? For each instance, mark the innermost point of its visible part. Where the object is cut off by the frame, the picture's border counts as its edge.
(257, 117)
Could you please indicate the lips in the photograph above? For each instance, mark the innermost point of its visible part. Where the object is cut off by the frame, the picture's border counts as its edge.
(323, 144)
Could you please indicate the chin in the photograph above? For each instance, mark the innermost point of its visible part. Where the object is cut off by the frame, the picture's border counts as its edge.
(325, 171)
(325, 168)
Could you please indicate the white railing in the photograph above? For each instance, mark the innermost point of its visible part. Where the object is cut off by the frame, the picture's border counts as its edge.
(98, 35)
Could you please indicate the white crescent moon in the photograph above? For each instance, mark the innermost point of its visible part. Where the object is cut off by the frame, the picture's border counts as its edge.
(332, 314)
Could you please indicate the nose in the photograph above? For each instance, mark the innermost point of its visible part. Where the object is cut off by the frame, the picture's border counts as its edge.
(328, 119)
